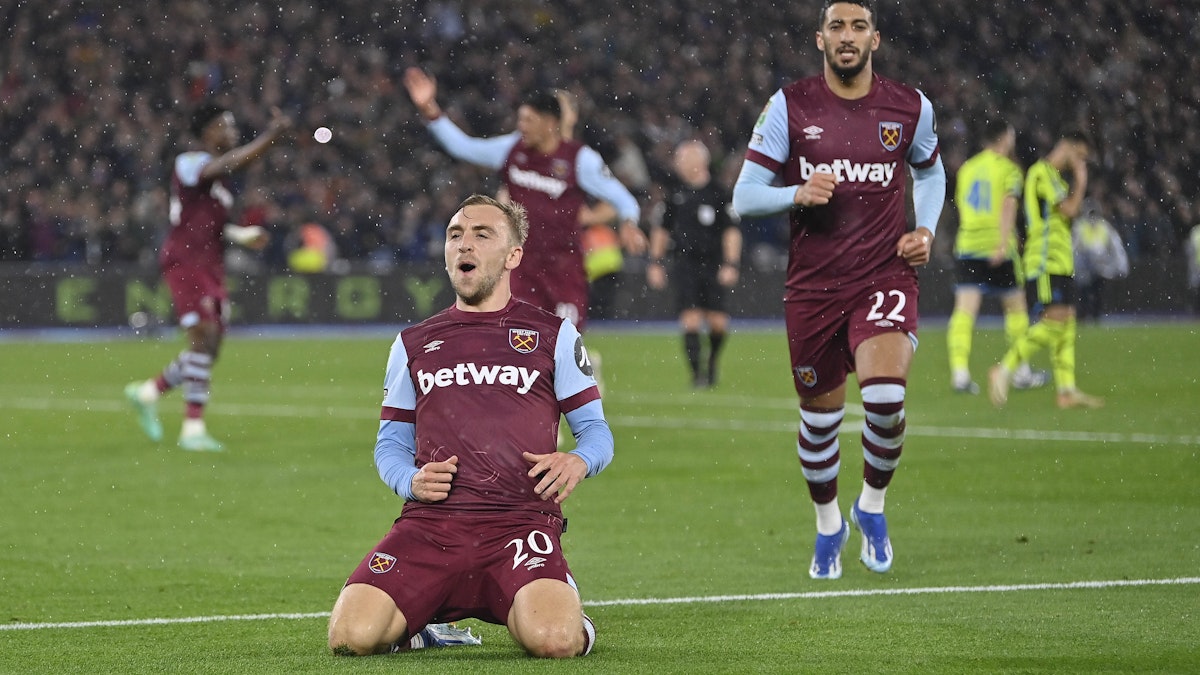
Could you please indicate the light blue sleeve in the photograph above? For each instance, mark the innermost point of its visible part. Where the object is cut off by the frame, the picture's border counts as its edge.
(929, 195)
(770, 136)
(755, 192)
(593, 437)
(755, 195)
(929, 183)
(596, 180)
(572, 367)
(489, 152)
(572, 375)
(396, 442)
(925, 140)
(189, 165)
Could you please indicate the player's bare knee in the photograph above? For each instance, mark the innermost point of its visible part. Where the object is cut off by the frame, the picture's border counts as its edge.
(351, 639)
(554, 642)
(364, 621)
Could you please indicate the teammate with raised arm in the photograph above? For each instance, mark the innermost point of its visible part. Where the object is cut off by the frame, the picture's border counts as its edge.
(548, 175)
(467, 437)
(193, 265)
(839, 142)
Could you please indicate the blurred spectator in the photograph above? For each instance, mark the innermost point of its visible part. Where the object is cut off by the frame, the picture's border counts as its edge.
(1193, 266)
(312, 249)
(1099, 257)
(94, 96)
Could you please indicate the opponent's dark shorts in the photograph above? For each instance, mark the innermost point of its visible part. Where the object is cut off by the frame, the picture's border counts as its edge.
(1050, 289)
(697, 287)
(980, 273)
(825, 328)
(463, 565)
(198, 294)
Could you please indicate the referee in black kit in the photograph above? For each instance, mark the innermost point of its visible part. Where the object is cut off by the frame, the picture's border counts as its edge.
(707, 254)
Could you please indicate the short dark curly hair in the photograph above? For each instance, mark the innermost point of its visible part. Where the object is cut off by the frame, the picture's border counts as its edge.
(865, 4)
(203, 116)
(545, 102)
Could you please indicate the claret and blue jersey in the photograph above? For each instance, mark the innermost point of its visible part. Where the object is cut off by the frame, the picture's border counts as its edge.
(485, 387)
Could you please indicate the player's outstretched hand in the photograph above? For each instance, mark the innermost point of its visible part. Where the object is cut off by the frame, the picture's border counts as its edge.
(656, 276)
(560, 472)
(422, 89)
(632, 238)
(260, 239)
(817, 191)
(727, 276)
(568, 113)
(915, 247)
(279, 123)
(432, 482)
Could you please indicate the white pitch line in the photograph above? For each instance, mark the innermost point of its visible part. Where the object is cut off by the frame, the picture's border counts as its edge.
(702, 599)
(871, 592)
(718, 424)
(162, 622)
(715, 423)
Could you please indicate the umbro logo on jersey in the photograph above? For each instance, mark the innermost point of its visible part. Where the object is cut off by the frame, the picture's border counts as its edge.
(434, 346)
(813, 132)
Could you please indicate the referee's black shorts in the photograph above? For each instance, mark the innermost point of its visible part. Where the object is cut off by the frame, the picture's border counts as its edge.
(696, 283)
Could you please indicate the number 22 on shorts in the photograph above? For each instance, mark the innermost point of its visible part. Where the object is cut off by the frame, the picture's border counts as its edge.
(878, 302)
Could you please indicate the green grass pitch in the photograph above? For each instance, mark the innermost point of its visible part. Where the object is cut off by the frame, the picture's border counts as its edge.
(1027, 539)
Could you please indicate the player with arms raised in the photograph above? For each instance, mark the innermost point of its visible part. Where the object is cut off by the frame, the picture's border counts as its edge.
(839, 142)
(193, 265)
(551, 176)
(468, 437)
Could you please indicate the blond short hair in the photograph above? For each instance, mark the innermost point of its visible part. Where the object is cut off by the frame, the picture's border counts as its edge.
(514, 213)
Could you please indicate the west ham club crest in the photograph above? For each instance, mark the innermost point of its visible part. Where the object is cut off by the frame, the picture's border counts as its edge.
(806, 375)
(522, 339)
(890, 134)
(381, 563)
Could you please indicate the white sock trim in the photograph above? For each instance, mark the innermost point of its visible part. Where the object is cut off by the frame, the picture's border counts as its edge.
(871, 499)
(148, 392)
(589, 630)
(829, 518)
(193, 427)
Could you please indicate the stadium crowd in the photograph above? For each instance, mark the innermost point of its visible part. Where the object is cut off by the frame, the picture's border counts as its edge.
(94, 103)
